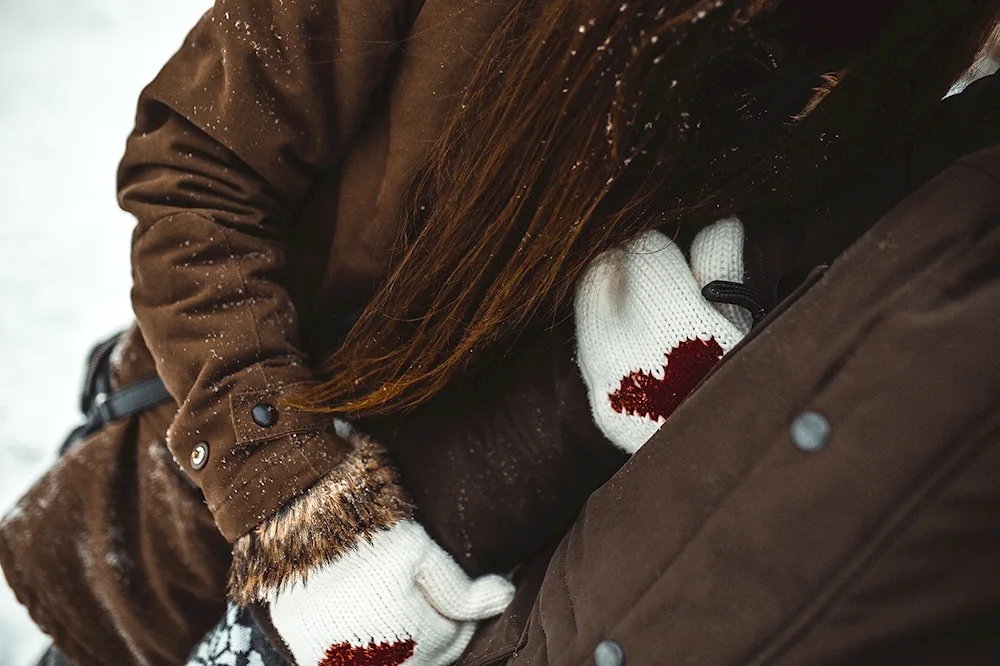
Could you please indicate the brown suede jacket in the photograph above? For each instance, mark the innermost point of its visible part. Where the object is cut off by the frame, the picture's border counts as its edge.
(266, 173)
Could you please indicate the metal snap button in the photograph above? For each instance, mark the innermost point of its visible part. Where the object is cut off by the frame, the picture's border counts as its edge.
(264, 415)
(609, 653)
(199, 456)
(811, 432)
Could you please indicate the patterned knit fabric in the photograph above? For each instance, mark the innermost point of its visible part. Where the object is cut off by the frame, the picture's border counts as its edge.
(236, 641)
(396, 599)
(645, 334)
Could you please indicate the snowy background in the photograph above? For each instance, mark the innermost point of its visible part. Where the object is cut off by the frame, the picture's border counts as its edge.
(70, 72)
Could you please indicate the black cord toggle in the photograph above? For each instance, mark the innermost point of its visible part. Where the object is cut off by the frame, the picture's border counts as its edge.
(734, 293)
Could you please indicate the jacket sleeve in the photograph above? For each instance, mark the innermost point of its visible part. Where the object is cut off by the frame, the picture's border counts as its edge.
(262, 96)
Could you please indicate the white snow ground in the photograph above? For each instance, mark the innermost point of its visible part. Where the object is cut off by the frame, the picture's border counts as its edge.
(70, 72)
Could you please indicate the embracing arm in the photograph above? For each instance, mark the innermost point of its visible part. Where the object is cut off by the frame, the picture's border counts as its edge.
(262, 97)
(265, 96)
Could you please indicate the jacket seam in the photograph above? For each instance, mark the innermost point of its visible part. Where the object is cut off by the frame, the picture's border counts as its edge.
(239, 443)
(141, 229)
(236, 489)
(314, 423)
(850, 567)
(569, 595)
(844, 574)
(246, 303)
(744, 479)
(257, 364)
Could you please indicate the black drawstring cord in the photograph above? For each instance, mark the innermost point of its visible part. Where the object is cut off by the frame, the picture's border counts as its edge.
(734, 293)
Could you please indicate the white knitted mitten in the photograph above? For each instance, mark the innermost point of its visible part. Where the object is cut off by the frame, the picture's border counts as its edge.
(645, 334)
(396, 599)
(717, 254)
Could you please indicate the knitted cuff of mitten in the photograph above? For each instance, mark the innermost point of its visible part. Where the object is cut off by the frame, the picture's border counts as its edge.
(360, 497)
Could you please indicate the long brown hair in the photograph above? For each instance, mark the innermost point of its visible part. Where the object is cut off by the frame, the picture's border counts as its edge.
(587, 121)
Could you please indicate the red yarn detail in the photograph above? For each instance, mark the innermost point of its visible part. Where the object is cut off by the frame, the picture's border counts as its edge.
(642, 394)
(373, 654)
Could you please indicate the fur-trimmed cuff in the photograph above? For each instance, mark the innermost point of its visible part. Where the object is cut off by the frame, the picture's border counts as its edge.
(359, 497)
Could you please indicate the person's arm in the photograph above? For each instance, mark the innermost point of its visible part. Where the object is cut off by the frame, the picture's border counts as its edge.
(262, 96)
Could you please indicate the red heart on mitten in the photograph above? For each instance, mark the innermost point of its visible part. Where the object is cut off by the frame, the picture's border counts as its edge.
(642, 394)
(373, 654)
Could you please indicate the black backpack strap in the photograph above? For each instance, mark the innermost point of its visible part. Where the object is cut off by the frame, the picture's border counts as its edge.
(130, 400)
(101, 405)
(96, 377)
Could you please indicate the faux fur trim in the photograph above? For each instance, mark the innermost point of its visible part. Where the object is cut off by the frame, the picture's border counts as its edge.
(359, 497)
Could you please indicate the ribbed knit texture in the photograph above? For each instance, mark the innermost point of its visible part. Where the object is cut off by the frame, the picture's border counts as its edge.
(396, 599)
(717, 254)
(645, 334)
